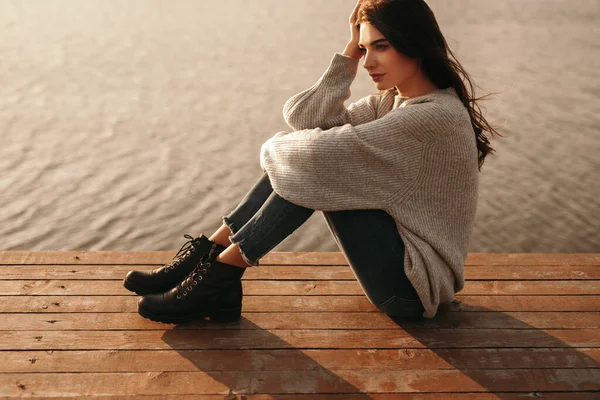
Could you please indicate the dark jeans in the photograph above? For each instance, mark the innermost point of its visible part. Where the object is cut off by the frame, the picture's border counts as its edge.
(368, 239)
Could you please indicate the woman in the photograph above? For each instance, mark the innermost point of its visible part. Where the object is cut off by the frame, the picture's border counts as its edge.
(395, 175)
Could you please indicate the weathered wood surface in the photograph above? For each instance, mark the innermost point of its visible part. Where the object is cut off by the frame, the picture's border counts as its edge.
(525, 325)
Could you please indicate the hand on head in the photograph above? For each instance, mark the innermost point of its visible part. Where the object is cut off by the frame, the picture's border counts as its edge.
(354, 33)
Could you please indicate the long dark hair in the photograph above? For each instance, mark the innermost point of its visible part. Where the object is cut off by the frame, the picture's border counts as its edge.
(411, 28)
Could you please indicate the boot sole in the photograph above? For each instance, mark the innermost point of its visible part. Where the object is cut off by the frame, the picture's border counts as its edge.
(222, 315)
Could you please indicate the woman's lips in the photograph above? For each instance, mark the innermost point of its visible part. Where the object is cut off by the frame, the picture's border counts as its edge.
(377, 77)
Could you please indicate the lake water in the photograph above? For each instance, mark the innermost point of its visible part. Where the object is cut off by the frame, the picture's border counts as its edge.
(125, 125)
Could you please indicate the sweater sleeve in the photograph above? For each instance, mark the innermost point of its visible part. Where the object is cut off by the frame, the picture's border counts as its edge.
(322, 105)
(346, 167)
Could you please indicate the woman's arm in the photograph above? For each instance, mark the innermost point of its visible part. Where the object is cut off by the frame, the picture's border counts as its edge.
(322, 105)
(349, 167)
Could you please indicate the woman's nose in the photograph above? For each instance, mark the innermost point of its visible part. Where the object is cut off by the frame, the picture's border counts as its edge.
(368, 63)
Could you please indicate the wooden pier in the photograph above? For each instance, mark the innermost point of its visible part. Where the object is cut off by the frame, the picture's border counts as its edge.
(524, 326)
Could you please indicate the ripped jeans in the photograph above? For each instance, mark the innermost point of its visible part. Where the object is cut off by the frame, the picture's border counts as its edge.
(368, 239)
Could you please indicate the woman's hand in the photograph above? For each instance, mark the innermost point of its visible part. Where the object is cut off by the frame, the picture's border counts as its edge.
(352, 49)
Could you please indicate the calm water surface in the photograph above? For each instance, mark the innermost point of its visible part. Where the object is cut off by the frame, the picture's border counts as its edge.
(125, 125)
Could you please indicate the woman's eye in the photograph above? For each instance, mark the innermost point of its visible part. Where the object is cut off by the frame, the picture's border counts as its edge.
(379, 47)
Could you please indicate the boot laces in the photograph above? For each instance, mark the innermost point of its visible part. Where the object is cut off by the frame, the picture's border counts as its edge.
(191, 281)
(184, 252)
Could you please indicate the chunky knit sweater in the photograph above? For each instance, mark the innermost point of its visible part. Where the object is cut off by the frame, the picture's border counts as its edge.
(415, 158)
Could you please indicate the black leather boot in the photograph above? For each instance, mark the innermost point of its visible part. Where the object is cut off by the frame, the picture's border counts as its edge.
(213, 289)
(168, 276)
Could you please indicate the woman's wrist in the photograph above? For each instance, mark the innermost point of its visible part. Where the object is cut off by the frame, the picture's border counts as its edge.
(353, 51)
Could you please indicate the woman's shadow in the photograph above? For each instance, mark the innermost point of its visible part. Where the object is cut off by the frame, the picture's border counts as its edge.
(465, 348)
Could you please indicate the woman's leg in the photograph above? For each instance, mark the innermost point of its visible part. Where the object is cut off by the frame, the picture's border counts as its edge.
(377, 260)
(263, 219)
(214, 288)
(260, 222)
(249, 205)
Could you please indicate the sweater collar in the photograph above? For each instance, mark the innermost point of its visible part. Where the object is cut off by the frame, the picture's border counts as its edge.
(400, 101)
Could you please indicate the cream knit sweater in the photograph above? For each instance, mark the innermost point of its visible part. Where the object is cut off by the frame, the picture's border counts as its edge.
(415, 158)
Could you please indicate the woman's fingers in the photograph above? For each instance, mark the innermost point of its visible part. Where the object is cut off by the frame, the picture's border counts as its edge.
(354, 31)
(354, 14)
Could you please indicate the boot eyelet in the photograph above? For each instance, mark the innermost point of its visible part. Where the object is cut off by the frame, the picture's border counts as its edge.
(205, 271)
(185, 293)
(200, 277)
(195, 282)
(189, 288)
(208, 264)
(179, 296)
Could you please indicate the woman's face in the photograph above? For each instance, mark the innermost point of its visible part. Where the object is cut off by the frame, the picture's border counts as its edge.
(381, 58)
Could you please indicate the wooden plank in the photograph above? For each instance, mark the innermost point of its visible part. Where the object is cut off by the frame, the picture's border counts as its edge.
(533, 259)
(375, 360)
(350, 396)
(287, 272)
(306, 320)
(297, 338)
(303, 258)
(299, 288)
(310, 382)
(152, 257)
(514, 330)
(119, 304)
